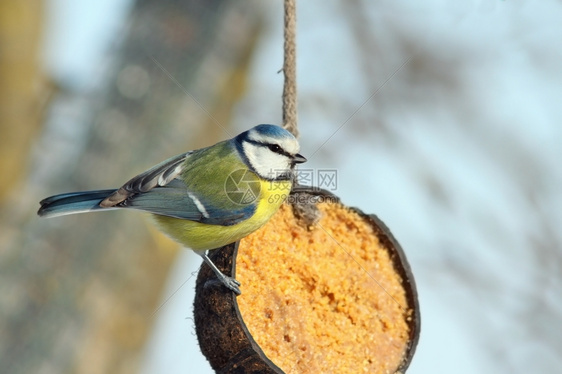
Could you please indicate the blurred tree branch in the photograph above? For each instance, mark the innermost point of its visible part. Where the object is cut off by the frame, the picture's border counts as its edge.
(79, 293)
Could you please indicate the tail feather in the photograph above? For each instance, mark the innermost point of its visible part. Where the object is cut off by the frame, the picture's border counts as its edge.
(72, 203)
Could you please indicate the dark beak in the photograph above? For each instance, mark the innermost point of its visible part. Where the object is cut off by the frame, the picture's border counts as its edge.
(298, 159)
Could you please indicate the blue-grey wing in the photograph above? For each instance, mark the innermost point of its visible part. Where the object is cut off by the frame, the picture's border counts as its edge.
(160, 190)
(175, 200)
(159, 175)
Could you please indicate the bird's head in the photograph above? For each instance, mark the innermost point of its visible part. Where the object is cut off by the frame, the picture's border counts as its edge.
(270, 151)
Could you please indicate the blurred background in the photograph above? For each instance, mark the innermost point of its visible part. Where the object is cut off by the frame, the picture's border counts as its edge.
(443, 119)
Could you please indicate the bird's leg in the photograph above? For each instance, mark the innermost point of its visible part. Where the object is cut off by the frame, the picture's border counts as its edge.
(230, 282)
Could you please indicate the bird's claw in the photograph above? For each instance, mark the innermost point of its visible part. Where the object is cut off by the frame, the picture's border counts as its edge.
(229, 282)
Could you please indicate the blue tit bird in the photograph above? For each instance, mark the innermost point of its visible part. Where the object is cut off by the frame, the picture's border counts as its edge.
(206, 198)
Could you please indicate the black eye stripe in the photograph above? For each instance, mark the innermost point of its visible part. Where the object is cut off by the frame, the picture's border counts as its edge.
(272, 147)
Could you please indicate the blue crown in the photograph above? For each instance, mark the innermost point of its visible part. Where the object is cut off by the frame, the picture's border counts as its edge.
(272, 131)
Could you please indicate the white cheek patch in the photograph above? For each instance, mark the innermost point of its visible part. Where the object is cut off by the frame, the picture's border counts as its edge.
(266, 163)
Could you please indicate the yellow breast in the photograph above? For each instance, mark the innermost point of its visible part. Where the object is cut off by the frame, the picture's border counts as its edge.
(200, 236)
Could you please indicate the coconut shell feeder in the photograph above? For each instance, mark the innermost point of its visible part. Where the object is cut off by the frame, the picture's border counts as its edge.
(335, 295)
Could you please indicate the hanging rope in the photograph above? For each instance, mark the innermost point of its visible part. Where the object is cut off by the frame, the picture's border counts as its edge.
(290, 69)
